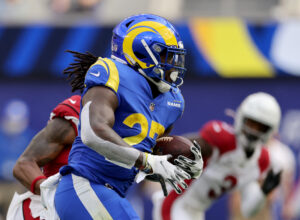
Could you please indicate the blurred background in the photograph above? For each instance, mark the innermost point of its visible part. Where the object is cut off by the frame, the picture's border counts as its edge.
(235, 47)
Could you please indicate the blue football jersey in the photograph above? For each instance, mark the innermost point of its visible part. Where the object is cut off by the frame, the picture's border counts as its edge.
(139, 119)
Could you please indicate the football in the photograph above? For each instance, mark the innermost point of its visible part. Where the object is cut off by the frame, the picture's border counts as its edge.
(174, 145)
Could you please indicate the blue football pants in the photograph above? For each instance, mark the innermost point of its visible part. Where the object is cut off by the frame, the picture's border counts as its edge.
(78, 198)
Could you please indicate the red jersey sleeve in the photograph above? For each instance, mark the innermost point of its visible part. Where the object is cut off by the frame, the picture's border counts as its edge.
(264, 160)
(68, 109)
(219, 135)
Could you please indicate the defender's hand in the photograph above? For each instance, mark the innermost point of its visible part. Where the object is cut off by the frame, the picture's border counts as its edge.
(173, 174)
(271, 182)
(193, 167)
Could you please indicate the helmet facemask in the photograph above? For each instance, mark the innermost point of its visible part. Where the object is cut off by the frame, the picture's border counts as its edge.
(256, 120)
(252, 135)
(168, 70)
(171, 64)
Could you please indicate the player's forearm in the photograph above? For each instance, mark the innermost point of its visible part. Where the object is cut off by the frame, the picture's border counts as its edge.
(26, 171)
(108, 143)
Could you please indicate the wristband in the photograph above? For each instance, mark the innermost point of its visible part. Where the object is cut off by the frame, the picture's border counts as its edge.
(145, 156)
(32, 186)
(146, 167)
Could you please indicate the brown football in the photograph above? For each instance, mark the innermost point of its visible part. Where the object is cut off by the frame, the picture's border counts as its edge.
(174, 145)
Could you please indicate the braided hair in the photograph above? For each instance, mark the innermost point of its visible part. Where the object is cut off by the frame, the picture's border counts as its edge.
(76, 71)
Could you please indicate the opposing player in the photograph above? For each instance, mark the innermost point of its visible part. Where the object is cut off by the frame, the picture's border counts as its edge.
(128, 101)
(277, 204)
(49, 149)
(234, 158)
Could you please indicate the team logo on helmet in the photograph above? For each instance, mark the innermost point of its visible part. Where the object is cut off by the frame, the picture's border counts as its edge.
(147, 26)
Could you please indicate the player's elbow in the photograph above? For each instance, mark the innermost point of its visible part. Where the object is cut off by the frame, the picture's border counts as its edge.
(88, 134)
(19, 167)
(16, 170)
(86, 139)
(91, 130)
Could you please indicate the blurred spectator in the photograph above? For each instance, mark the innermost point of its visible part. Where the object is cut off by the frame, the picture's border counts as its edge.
(287, 9)
(14, 137)
(73, 6)
(171, 9)
(24, 10)
(110, 12)
(113, 10)
(44, 10)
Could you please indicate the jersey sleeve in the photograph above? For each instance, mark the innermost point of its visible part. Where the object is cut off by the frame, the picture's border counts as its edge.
(219, 135)
(264, 161)
(68, 109)
(103, 73)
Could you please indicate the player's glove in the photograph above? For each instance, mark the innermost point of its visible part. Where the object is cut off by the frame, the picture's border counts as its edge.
(155, 164)
(158, 178)
(193, 167)
(271, 182)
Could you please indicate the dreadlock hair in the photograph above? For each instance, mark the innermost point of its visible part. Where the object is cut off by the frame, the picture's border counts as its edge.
(76, 71)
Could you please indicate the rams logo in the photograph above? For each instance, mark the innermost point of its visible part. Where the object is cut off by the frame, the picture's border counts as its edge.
(145, 27)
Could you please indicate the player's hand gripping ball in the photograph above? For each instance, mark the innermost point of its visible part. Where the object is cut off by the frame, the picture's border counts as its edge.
(185, 154)
(175, 146)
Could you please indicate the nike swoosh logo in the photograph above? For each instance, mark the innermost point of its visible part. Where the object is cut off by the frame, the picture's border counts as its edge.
(96, 74)
(72, 101)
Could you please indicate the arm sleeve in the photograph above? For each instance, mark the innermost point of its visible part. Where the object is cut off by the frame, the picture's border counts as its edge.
(252, 199)
(119, 155)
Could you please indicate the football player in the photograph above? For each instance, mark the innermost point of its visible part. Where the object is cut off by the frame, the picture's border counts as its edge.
(49, 149)
(234, 158)
(127, 103)
(277, 205)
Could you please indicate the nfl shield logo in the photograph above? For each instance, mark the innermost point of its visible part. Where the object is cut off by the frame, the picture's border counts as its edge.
(152, 107)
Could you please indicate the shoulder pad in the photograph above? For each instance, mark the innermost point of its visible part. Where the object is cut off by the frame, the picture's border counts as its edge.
(68, 109)
(219, 135)
(103, 72)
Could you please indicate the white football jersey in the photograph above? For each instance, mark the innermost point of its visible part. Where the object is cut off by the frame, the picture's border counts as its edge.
(225, 170)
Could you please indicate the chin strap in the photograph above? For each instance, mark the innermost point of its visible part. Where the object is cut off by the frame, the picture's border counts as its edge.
(162, 86)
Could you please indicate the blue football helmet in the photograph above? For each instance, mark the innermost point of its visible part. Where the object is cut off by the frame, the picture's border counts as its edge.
(152, 46)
